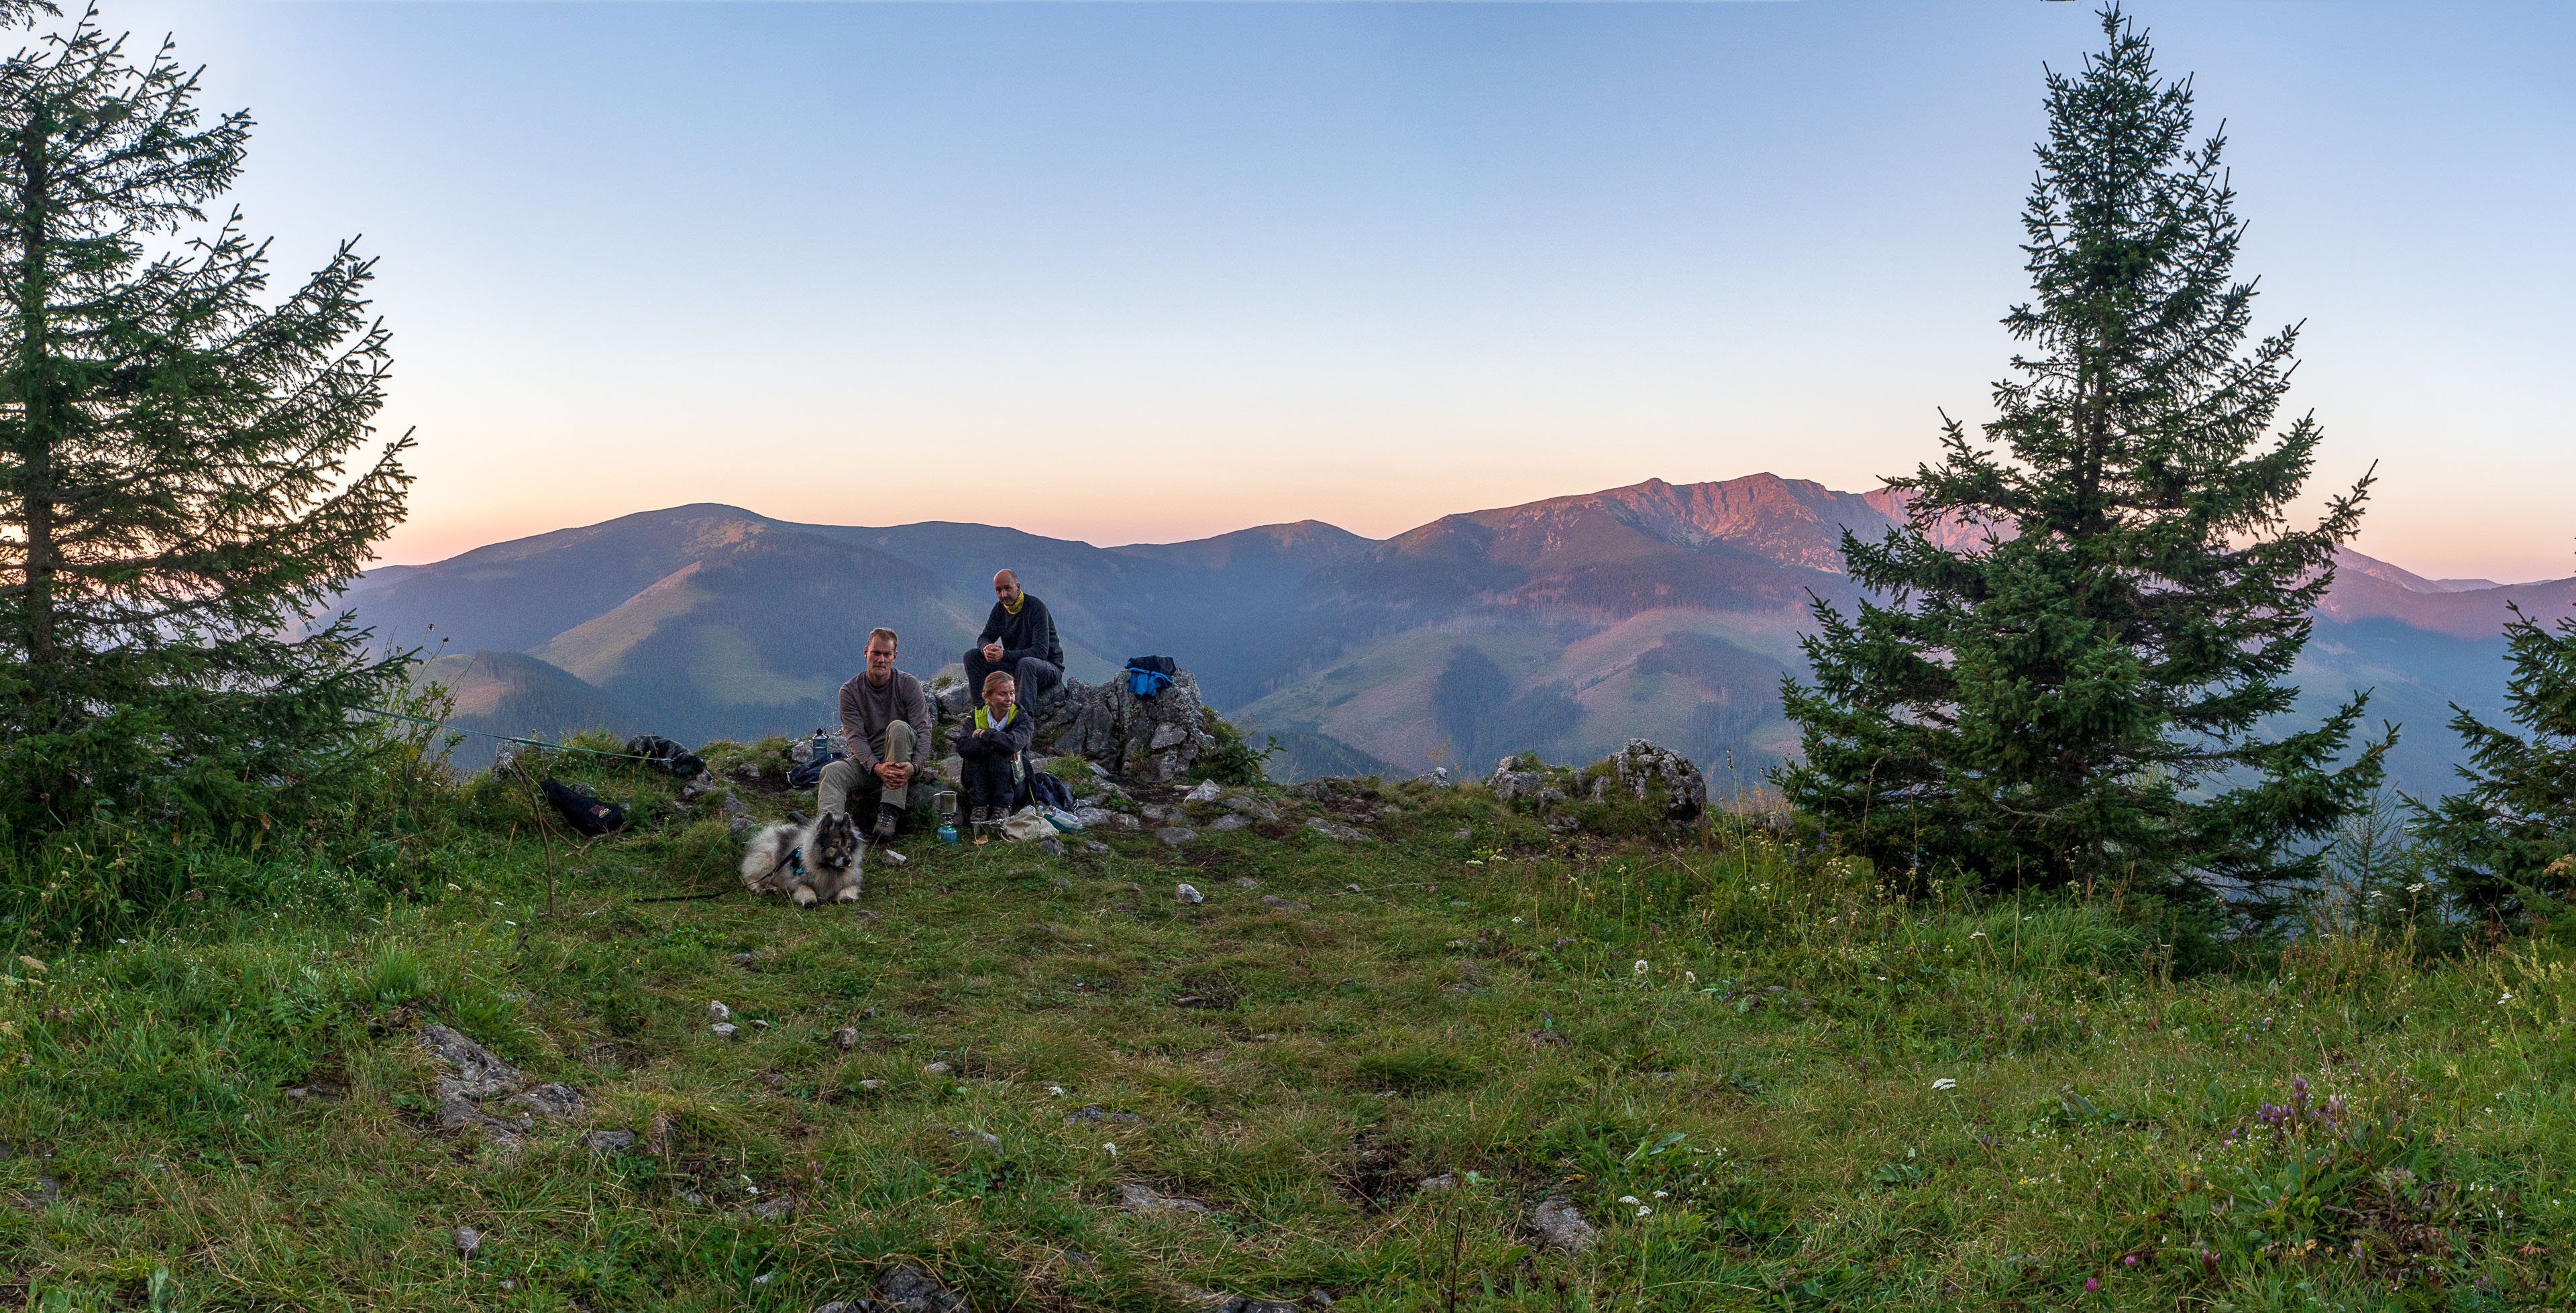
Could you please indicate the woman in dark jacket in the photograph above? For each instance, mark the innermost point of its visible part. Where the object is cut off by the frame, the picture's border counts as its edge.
(989, 745)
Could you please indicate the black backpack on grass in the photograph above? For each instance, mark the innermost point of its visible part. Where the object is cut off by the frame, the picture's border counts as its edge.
(582, 811)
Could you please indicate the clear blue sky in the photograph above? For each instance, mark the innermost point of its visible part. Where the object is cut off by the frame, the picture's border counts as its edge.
(1148, 271)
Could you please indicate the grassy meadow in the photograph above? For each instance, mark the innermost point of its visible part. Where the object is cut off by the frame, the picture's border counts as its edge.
(1762, 1078)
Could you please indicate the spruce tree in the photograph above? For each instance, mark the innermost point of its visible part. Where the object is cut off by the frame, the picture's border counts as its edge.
(2512, 833)
(2092, 692)
(175, 495)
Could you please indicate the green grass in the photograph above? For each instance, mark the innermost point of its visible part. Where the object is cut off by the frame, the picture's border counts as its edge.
(1747, 1039)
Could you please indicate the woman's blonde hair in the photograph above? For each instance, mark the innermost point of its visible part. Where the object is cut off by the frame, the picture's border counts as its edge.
(997, 677)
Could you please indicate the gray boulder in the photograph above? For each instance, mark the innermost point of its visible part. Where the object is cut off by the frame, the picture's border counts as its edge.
(1143, 740)
(1512, 781)
(1642, 767)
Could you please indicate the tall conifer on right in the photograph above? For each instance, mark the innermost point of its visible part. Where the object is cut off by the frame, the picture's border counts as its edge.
(2093, 692)
(2511, 834)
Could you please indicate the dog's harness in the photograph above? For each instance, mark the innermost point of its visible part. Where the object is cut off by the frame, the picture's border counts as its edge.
(795, 858)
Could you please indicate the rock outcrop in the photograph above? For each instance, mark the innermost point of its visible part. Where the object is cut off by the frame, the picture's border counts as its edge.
(1141, 740)
(1641, 767)
(1641, 770)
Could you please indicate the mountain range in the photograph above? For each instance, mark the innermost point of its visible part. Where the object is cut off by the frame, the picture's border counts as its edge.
(1564, 626)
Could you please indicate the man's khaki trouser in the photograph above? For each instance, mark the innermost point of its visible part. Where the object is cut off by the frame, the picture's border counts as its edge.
(832, 794)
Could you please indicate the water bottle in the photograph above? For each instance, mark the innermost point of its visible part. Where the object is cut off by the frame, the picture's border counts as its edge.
(822, 749)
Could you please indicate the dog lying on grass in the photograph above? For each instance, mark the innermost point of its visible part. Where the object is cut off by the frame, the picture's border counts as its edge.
(809, 861)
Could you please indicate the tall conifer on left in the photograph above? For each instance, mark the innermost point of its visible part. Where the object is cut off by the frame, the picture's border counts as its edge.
(188, 468)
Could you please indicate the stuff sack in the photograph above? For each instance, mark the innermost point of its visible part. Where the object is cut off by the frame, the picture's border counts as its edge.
(1025, 825)
(666, 756)
(1150, 675)
(584, 812)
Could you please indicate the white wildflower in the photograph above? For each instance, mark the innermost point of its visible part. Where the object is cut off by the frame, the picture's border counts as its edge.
(1641, 967)
(1945, 1083)
(1627, 1199)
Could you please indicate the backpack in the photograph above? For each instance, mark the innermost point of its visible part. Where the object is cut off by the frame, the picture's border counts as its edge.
(809, 772)
(584, 812)
(1150, 675)
(1048, 791)
(665, 755)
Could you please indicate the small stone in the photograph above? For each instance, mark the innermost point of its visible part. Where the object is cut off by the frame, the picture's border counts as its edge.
(46, 1193)
(1060, 883)
(1230, 821)
(1095, 1113)
(726, 1030)
(1337, 830)
(742, 959)
(1134, 1197)
(871, 1085)
(1444, 1181)
(866, 915)
(938, 1069)
(1352, 889)
(1094, 846)
(1188, 894)
(907, 1288)
(478, 1072)
(1283, 904)
(892, 856)
(467, 1241)
(1560, 1226)
(1246, 882)
(1176, 835)
(1051, 846)
(772, 1207)
(1207, 791)
(1318, 1298)
(1464, 834)
(719, 1011)
(847, 1037)
(299, 1092)
(552, 1099)
(609, 1141)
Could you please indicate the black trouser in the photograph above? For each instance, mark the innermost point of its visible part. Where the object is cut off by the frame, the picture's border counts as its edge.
(990, 781)
(1034, 676)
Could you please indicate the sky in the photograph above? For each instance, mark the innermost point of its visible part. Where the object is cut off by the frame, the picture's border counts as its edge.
(1150, 271)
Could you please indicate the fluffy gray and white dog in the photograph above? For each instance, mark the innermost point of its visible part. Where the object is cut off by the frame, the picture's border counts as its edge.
(809, 861)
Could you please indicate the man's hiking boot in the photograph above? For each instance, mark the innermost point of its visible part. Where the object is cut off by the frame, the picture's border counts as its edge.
(983, 816)
(887, 815)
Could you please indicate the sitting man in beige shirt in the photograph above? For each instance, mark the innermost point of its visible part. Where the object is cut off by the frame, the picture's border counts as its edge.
(887, 722)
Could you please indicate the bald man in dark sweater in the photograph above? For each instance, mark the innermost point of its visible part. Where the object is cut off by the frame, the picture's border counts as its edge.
(1018, 640)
